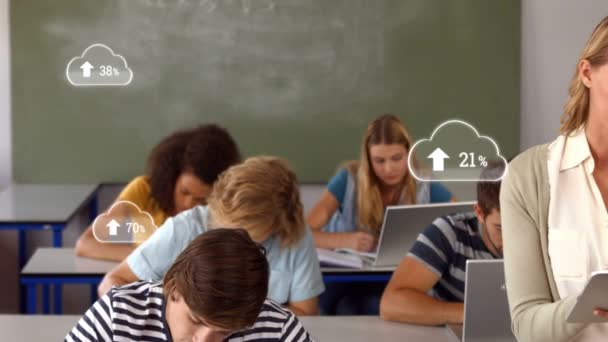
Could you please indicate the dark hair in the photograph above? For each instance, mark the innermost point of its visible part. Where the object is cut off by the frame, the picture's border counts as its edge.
(488, 193)
(206, 151)
(222, 276)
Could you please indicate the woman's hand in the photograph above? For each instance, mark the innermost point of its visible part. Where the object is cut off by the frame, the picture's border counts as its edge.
(601, 313)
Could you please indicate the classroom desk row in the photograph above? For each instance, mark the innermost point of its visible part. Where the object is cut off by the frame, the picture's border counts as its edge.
(39, 207)
(51, 207)
(28, 207)
(58, 266)
(322, 328)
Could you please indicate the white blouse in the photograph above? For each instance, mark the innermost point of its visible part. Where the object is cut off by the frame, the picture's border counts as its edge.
(578, 221)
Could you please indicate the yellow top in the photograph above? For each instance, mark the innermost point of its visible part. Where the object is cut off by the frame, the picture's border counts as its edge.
(138, 191)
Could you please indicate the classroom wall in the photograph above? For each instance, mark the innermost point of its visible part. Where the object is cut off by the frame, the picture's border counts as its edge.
(8, 252)
(5, 127)
(282, 71)
(553, 35)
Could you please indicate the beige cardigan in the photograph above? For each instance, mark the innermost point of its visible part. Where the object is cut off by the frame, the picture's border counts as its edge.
(537, 312)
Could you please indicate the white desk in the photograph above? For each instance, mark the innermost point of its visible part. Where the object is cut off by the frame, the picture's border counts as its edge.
(372, 328)
(22, 328)
(58, 266)
(41, 203)
(17, 328)
(26, 207)
(62, 262)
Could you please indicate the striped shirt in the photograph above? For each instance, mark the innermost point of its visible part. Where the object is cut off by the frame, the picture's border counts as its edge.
(444, 248)
(136, 312)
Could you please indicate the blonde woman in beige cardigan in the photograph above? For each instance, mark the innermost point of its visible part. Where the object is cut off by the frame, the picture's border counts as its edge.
(554, 215)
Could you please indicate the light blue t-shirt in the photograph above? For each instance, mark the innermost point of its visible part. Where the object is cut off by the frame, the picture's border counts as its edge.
(337, 187)
(294, 271)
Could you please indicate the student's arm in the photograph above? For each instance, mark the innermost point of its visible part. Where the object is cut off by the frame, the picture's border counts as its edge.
(307, 281)
(325, 208)
(322, 213)
(309, 307)
(320, 216)
(119, 275)
(88, 246)
(405, 298)
(136, 192)
(96, 324)
(152, 259)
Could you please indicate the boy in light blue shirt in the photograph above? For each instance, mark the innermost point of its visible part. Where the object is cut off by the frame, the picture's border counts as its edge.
(261, 196)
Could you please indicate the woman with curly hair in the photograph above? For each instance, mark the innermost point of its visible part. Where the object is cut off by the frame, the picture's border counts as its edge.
(180, 172)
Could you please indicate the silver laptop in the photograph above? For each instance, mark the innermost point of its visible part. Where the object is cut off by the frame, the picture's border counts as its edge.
(402, 225)
(486, 310)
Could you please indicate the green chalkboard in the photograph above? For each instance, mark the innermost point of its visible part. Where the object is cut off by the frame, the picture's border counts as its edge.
(294, 78)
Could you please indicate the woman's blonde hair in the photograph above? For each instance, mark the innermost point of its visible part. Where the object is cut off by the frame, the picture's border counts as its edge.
(576, 110)
(262, 196)
(386, 129)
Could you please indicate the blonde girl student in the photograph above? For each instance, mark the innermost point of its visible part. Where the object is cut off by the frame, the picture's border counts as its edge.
(350, 211)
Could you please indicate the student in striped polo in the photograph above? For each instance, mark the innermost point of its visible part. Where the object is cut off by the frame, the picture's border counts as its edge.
(428, 286)
(214, 291)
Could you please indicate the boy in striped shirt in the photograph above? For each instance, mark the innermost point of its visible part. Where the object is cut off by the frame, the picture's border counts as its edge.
(428, 286)
(215, 291)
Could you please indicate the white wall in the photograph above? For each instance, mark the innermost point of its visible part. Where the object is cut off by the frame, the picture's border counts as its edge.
(5, 132)
(8, 239)
(553, 35)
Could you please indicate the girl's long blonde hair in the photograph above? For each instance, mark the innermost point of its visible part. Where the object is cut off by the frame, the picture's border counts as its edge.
(386, 129)
(576, 110)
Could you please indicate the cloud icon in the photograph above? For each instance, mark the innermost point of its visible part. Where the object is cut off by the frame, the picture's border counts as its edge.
(124, 222)
(456, 152)
(99, 66)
